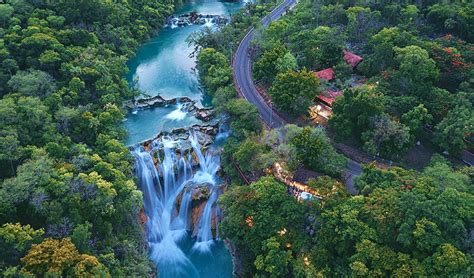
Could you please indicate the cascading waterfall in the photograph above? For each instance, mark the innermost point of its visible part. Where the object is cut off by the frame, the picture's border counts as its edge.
(185, 208)
(166, 224)
(204, 234)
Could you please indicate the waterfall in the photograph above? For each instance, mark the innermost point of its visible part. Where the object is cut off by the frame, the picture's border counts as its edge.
(178, 114)
(152, 196)
(184, 208)
(161, 185)
(204, 234)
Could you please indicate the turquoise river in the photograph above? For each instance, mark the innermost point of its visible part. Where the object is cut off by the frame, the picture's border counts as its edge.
(163, 66)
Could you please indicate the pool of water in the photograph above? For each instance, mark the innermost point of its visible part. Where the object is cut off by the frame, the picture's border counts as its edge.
(146, 124)
(216, 264)
(163, 66)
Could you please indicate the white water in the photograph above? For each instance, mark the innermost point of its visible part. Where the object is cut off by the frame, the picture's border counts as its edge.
(161, 185)
(178, 114)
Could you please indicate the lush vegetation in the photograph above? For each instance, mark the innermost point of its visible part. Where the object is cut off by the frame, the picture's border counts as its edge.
(418, 59)
(69, 203)
(403, 223)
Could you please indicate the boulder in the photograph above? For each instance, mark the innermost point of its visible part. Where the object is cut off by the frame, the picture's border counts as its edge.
(204, 114)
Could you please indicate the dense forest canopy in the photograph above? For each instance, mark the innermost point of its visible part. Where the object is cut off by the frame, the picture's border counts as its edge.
(417, 57)
(66, 178)
(68, 199)
(418, 65)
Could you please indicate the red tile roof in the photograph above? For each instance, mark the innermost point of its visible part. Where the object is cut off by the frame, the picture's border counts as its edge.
(330, 96)
(327, 74)
(352, 59)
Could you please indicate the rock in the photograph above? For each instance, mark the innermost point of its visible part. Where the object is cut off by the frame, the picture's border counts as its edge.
(205, 114)
(200, 192)
(150, 102)
(201, 21)
(142, 217)
(157, 101)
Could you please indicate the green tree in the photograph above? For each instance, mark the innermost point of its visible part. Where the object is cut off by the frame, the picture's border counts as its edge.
(80, 237)
(32, 83)
(286, 63)
(244, 117)
(252, 156)
(386, 137)
(452, 132)
(319, 48)
(218, 76)
(292, 91)
(315, 152)
(15, 240)
(60, 257)
(415, 119)
(330, 189)
(10, 65)
(381, 49)
(362, 23)
(208, 57)
(265, 68)
(354, 109)
(417, 72)
(448, 260)
(274, 261)
(445, 176)
(223, 95)
(6, 12)
(255, 213)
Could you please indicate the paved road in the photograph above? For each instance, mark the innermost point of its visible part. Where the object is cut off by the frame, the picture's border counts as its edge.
(242, 66)
(243, 70)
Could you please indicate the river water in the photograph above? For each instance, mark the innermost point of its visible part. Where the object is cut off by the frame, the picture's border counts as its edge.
(163, 66)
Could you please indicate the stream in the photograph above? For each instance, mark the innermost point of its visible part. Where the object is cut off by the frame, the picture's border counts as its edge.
(167, 170)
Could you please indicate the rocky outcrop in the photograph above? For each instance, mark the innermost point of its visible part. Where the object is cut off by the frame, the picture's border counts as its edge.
(196, 18)
(204, 133)
(200, 196)
(156, 101)
(204, 114)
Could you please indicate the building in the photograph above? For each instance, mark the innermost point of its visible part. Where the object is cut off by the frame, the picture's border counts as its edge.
(326, 74)
(321, 111)
(352, 59)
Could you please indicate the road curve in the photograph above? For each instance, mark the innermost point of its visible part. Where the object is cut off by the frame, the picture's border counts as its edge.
(244, 83)
(242, 66)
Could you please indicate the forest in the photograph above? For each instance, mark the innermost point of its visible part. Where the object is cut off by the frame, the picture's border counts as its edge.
(418, 67)
(69, 201)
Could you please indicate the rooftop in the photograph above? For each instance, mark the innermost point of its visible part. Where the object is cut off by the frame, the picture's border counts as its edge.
(352, 59)
(327, 74)
(329, 96)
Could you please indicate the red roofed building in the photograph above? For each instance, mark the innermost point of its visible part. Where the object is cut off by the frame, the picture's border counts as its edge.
(327, 74)
(352, 59)
(330, 96)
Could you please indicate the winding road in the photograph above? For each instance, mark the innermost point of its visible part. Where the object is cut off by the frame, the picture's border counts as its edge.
(242, 65)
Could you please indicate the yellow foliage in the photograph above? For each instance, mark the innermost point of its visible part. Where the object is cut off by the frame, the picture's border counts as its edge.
(61, 258)
(89, 266)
